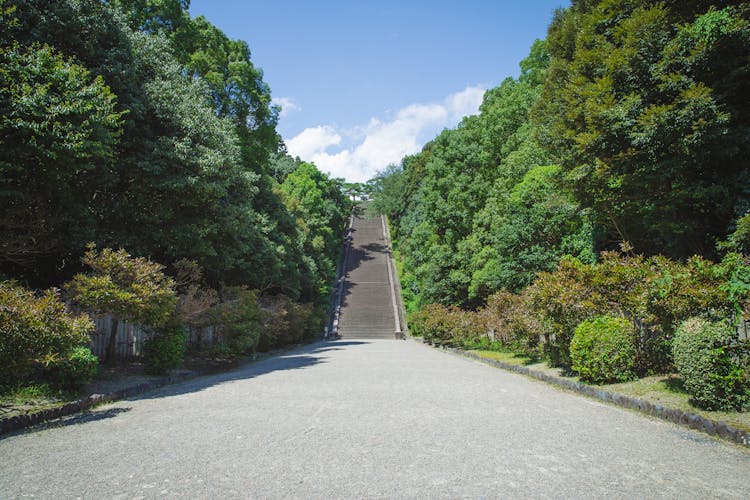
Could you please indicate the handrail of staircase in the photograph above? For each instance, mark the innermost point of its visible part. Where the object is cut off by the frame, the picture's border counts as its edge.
(391, 282)
(333, 333)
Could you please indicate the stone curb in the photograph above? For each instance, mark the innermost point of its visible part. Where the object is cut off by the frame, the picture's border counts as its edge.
(674, 415)
(18, 422)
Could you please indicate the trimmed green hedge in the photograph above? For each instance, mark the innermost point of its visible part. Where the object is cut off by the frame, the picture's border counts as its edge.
(713, 365)
(603, 350)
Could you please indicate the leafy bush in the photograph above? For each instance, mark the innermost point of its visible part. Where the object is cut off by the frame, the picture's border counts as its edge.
(165, 349)
(195, 299)
(286, 322)
(128, 288)
(450, 326)
(603, 350)
(676, 292)
(509, 321)
(562, 300)
(435, 323)
(77, 368)
(35, 330)
(424, 323)
(713, 371)
(238, 321)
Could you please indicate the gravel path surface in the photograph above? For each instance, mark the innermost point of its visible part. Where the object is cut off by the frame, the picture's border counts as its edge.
(367, 419)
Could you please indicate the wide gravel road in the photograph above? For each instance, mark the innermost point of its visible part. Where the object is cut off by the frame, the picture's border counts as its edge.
(367, 419)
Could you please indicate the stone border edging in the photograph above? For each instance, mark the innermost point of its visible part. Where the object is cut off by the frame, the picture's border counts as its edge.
(18, 422)
(674, 415)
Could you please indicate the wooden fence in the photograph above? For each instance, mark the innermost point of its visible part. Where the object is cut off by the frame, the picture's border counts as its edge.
(131, 337)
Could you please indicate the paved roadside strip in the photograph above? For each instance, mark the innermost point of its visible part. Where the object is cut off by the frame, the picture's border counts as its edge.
(19, 422)
(66, 409)
(674, 415)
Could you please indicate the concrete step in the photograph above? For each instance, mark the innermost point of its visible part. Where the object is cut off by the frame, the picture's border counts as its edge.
(367, 310)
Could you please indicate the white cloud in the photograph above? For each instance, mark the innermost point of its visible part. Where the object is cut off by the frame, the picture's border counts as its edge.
(287, 105)
(313, 141)
(381, 143)
(466, 102)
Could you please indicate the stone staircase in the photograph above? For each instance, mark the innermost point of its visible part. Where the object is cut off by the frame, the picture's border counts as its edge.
(367, 307)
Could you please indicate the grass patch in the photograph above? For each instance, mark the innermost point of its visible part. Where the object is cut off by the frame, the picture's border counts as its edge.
(33, 397)
(512, 358)
(665, 390)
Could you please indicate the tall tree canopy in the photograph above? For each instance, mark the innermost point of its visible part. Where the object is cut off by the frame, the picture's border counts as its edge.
(469, 215)
(646, 109)
(130, 124)
(628, 124)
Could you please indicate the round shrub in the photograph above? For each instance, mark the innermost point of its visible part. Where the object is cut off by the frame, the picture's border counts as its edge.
(165, 350)
(75, 370)
(712, 370)
(603, 350)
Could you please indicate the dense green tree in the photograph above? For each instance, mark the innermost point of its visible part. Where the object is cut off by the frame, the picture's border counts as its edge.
(320, 207)
(168, 16)
(59, 128)
(451, 204)
(388, 191)
(528, 231)
(645, 106)
(180, 151)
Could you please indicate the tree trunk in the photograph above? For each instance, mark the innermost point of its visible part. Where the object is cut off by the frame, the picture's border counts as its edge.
(109, 355)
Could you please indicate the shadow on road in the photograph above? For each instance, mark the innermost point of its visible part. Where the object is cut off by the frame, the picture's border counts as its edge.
(301, 357)
(77, 419)
(298, 358)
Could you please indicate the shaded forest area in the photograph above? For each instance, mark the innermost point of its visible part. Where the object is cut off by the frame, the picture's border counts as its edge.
(127, 124)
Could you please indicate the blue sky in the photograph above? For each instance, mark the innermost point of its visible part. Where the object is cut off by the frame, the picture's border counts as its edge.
(362, 83)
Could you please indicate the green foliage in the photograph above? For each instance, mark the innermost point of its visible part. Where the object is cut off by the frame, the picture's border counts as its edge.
(238, 320)
(388, 190)
(128, 287)
(713, 365)
(36, 331)
(530, 229)
(165, 349)
(75, 369)
(644, 105)
(441, 325)
(603, 350)
(320, 209)
(56, 113)
(482, 209)
(155, 15)
(156, 133)
(655, 294)
(739, 239)
(286, 322)
(562, 300)
(509, 320)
